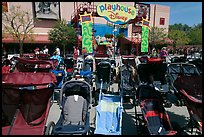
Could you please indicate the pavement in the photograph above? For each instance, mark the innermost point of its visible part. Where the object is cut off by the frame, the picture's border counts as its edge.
(178, 116)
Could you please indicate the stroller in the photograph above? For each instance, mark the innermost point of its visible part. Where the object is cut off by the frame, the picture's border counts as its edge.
(154, 116)
(33, 65)
(26, 102)
(75, 99)
(190, 92)
(127, 75)
(87, 71)
(69, 65)
(109, 109)
(154, 73)
(174, 70)
(103, 71)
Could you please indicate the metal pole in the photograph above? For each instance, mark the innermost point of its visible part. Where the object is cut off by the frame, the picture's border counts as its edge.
(114, 43)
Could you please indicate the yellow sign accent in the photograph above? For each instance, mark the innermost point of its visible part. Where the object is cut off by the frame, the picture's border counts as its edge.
(145, 23)
(86, 17)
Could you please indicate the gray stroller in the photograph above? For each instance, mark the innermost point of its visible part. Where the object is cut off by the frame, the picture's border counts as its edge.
(75, 99)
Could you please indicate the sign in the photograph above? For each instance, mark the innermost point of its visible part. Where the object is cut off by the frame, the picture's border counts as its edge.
(87, 25)
(47, 10)
(115, 12)
(145, 35)
(142, 11)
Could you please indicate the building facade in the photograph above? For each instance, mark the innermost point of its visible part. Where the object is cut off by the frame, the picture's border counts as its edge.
(49, 12)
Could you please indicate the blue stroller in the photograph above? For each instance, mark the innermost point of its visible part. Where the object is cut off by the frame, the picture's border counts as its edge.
(108, 112)
(59, 73)
(75, 99)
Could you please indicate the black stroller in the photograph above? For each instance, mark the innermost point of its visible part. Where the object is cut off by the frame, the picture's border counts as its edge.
(154, 73)
(69, 64)
(75, 99)
(127, 75)
(87, 71)
(102, 78)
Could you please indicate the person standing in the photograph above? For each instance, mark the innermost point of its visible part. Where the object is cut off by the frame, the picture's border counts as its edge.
(76, 53)
(57, 50)
(163, 53)
(45, 51)
(37, 50)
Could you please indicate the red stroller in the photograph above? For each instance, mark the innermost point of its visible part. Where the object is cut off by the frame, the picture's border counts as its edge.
(26, 102)
(190, 92)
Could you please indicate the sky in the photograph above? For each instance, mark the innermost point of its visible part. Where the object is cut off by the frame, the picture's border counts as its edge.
(189, 13)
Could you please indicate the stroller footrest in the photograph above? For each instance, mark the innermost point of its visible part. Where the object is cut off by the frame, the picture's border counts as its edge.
(70, 129)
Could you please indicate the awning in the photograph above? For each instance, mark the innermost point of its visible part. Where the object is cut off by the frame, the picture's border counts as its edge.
(38, 38)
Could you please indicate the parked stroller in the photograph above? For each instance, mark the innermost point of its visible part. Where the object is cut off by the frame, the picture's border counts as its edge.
(69, 66)
(109, 114)
(174, 70)
(75, 99)
(87, 71)
(154, 116)
(26, 102)
(109, 109)
(190, 92)
(33, 65)
(127, 75)
(154, 73)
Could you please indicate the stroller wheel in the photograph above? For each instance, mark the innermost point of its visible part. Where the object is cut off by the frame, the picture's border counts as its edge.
(167, 104)
(49, 128)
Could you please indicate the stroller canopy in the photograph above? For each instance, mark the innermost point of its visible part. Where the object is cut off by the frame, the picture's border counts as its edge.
(29, 92)
(76, 87)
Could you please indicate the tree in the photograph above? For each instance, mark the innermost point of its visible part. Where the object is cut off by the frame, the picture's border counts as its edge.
(195, 36)
(19, 24)
(179, 37)
(157, 37)
(63, 34)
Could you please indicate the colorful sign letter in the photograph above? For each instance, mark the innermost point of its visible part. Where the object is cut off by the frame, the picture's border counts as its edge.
(115, 12)
(87, 25)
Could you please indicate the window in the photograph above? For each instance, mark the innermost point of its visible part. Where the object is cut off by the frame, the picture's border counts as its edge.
(162, 21)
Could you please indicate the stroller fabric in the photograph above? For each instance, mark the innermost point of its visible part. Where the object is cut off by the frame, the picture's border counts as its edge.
(109, 115)
(75, 98)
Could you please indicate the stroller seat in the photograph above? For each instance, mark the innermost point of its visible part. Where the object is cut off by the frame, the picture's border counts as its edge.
(73, 119)
(109, 115)
(155, 117)
(75, 98)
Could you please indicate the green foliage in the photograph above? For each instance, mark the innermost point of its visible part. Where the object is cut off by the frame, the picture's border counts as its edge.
(19, 24)
(195, 36)
(183, 34)
(180, 26)
(62, 34)
(157, 37)
(179, 37)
